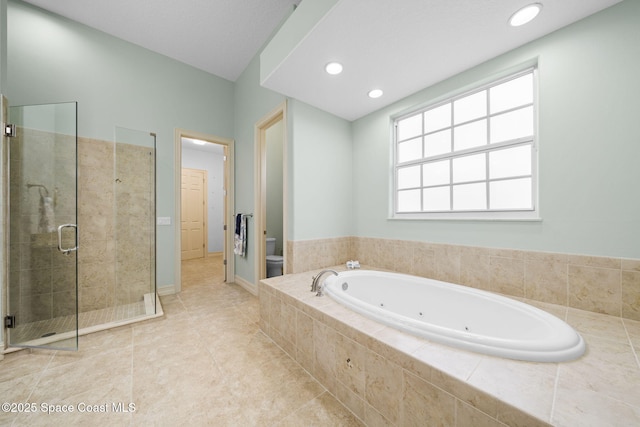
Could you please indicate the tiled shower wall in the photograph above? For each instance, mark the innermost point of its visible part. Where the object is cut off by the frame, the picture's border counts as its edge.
(116, 222)
(41, 284)
(599, 284)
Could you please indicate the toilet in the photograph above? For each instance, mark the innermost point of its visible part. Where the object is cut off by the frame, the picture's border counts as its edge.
(274, 262)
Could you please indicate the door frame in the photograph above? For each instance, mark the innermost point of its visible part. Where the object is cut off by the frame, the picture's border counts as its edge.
(229, 202)
(260, 230)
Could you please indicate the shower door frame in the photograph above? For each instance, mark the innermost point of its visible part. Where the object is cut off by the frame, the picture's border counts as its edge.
(68, 339)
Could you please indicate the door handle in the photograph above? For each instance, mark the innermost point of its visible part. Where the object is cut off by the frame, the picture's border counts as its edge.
(66, 251)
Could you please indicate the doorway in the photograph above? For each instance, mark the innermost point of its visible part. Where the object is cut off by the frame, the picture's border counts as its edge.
(204, 189)
(271, 177)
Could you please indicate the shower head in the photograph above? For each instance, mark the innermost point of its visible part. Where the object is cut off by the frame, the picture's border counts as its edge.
(40, 186)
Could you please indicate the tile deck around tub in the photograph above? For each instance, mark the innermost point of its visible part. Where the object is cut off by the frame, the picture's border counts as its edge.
(386, 376)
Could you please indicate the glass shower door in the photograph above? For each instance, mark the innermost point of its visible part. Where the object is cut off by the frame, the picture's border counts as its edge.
(43, 236)
(134, 216)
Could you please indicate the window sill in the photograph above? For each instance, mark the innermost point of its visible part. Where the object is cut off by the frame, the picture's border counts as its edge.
(470, 216)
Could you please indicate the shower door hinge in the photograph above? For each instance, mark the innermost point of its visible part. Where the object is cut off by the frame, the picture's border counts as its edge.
(224, 262)
(9, 130)
(10, 321)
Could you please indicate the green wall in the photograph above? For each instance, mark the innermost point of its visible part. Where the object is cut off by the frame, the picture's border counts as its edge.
(252, 103)
(52, 59)
(321, 179)
(589, 146)
(318, 154)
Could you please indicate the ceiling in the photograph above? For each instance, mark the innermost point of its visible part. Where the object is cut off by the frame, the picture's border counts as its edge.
(399, 46)
(404, 46)
(209, 147)
(217, 36)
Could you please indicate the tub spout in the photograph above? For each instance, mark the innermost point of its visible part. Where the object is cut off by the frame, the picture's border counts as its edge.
(315, 284)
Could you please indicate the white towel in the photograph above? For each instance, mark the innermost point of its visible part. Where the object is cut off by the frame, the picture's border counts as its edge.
(240, 239)
(47, 220)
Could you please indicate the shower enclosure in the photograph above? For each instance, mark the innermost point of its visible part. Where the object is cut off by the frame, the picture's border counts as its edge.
(80, 228)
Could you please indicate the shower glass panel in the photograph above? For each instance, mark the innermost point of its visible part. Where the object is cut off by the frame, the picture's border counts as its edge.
(42, 271)
(134, 213)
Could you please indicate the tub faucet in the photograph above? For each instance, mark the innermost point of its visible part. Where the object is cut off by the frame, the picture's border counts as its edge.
(315, 284)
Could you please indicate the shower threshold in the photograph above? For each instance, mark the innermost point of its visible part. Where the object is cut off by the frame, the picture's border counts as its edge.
(43, 332)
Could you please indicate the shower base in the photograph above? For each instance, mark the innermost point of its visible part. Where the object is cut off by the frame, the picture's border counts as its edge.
(43, 332)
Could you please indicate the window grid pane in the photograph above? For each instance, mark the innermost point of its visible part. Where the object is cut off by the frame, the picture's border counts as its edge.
(475, 153)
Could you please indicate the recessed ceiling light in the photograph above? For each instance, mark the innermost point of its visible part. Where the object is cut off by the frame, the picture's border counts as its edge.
(333, 68)
(524, 15)
(375, 93)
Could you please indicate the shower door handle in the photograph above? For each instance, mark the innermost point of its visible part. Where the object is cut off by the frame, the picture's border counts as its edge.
(66, 251)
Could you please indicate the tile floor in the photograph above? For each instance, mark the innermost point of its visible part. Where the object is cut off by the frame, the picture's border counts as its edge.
(206, 362)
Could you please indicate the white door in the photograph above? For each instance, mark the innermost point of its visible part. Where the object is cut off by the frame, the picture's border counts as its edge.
(193, 213)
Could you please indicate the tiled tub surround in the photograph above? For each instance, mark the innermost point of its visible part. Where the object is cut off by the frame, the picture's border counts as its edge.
(386, 377)
(598, 284)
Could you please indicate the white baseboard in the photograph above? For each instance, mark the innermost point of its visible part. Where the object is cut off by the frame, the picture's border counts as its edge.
(166, 290)
(248, 286)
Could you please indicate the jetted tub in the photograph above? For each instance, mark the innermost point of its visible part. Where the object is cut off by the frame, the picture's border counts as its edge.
(456, 315)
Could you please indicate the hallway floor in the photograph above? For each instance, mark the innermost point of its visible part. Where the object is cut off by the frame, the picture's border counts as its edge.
(205, 362)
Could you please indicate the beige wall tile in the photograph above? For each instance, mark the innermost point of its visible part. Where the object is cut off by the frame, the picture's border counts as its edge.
(288, 323)
(63, 303)
(463, 391)
(304, 340)
(34, 308)
(539, 276)
(402, 255)
(447, 263)
(92, 299)
(383, 386)
(424, 261)
(350, 364)
(324, 363)
(631, 295)
(595, 289)
(467, 415)
(506, 276)
(373, 418)
(474, 267)
(95, 274)
(516, 418)
(594, 261)
(630, 264)
(351, 400)
(425, 404)
(546, 280)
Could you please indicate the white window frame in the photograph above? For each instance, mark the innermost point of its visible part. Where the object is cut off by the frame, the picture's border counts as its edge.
(529, 214)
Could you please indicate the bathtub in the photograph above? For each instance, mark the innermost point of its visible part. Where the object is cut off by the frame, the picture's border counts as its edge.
(458, 316)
